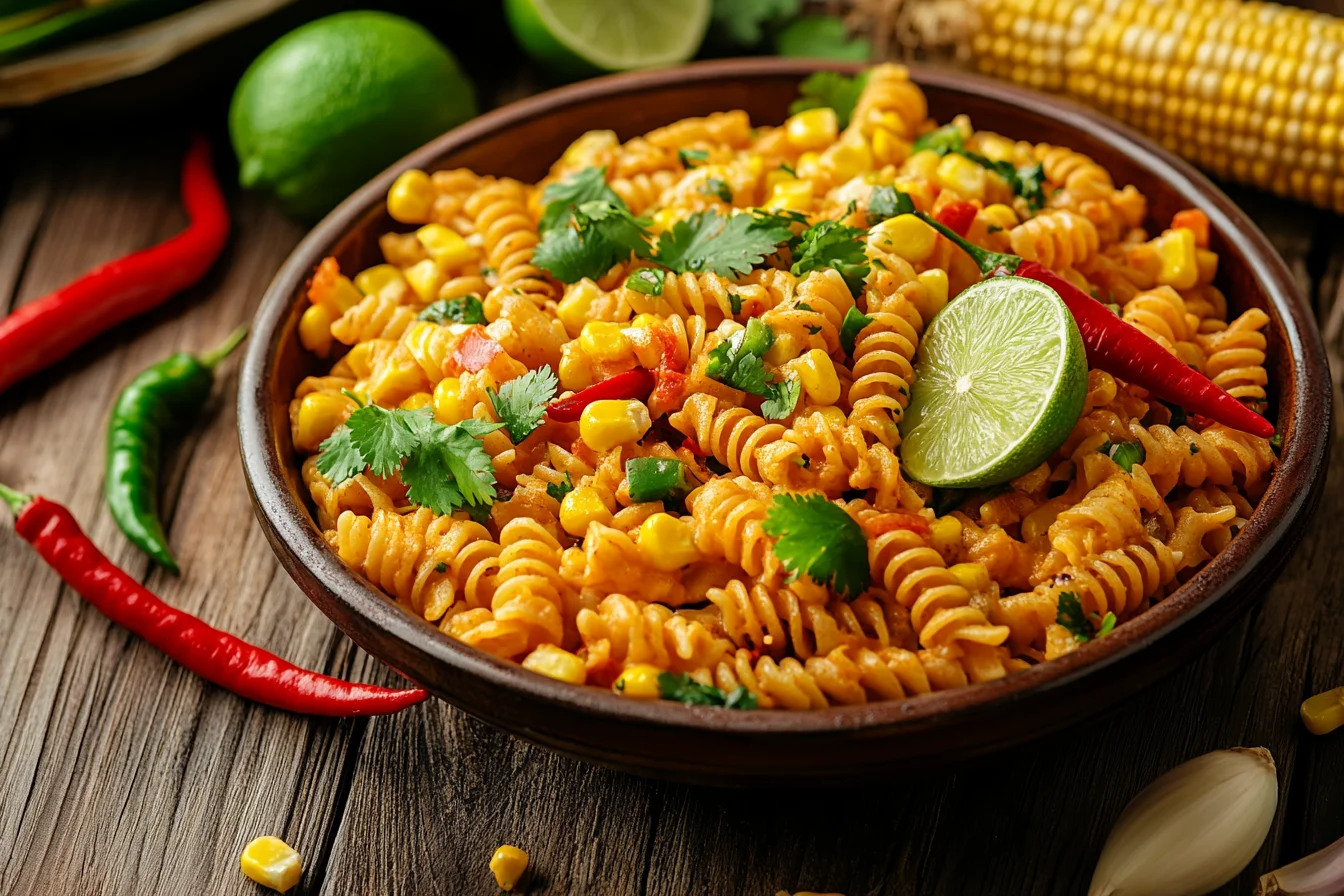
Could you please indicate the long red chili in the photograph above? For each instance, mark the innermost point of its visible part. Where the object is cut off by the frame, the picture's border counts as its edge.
(1118, 347)
(216, 656)
(636, 383)
(44, 331)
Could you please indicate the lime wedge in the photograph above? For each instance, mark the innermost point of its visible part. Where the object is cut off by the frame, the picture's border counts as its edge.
(1000, 380)
(580, 37)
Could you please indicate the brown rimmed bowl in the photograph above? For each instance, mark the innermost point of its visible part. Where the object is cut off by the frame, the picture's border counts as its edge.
(777, 747)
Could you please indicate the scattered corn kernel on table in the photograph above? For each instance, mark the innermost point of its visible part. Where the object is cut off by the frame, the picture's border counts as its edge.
(124, 774)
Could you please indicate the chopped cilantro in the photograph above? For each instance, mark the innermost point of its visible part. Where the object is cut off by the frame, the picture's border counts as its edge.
(1027, 181)
(737, 361)
(604, 234)
(994, 228)
(783, 401)
(818, 539)
(647, 280)
(1194, 449)
(735, 303)
(688, 157)
(558, 490)
(685, 689)
(831, 89)
(850, 328)
(941, 140)
(706, 241)
(1275, 442)
(521, 403)
(1070, 615)
(830, 244)
(717, 186)
(888, 202)
(788, 169)
(464, 310)
(340, 459)
(561, 198)
(440, 567)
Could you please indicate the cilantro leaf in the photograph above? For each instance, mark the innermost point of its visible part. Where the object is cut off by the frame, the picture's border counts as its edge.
(831, 89)
(743, 22)
(706, 241)
(830, 244)
(464, 310)
(1030, 185)
(818, 539)
(604, 234)
(687, 690)
(558, 490)
(1275, 442)
(562, 197)
(735, 303)
(850, 328)
(340, 460)
(1070, 615)
(737, 360)
(383, 437)
(1127, 454)
(888, 202)
(687, 156)
(788, 169)
(521, 402)
(647, 280)
(822, 37)
(450, 469)
(783, 400)
(1107, 624)
(717, 186)
(941, 140)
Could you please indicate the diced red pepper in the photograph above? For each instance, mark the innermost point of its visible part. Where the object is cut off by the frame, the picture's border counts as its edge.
(476, 350)
(670, 389)
(692, 446)
(890, 522)
(1195, 221)
(637, 383)
(958, 216)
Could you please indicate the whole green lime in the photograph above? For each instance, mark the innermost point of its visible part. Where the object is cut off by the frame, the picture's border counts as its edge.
(335, 101)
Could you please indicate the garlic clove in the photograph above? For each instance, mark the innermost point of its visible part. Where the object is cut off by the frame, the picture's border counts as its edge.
(1191, 830)
(1319, 874)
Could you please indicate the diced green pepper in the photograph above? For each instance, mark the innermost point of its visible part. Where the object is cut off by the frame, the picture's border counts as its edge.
(656, 479)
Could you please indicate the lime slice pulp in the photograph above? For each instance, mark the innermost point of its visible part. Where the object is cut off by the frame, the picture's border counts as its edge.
(1000, 381)
(576, 37)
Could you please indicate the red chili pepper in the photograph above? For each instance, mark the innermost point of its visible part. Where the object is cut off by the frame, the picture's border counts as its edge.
(216, 656)
(637, 383)
(1119, 348)
(958, 215)
(476, 350)
(44, 331)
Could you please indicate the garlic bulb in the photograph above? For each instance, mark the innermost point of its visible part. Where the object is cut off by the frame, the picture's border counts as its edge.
(1193, 829)
(1319, 874)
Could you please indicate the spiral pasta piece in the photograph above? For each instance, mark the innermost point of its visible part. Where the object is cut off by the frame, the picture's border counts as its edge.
(530, 595)
(624, 631)
(1161, 314)
(1236, 358)
(1056, 239)
(500, 215)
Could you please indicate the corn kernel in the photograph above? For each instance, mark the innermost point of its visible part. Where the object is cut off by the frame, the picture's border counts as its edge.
(508, 864)
(945, 534)
(396, 382)
(923, 165)
(582, 506)
(786, 347)
(425, 278)
(1000, 215)
(646, 321)
(1207, 263)
(373, 280)
(809, 166)
(666, 542)
(812, 129)
(555, 662)
(576, 368)
(445, 245)
(411, 199)
(816, 372)
(604, 341)
(576, 307)
(956, 172)
(906, 236)
(791, 195)
(639, 681)
(272, 863)
(1179, 265)
(665, 219)
(318, 416)
(417, 401)
(586, 151)
(888, 147)
(608, 423)
(450, 404)
(850, 156)
(775, 178)
(974, 577)
(1324, 712)
(935, 281)
(315, 329)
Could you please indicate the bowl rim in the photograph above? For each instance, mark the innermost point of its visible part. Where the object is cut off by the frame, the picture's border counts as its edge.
(292, 531)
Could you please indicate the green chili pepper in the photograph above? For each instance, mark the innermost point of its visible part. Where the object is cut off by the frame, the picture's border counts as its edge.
(656, 479)
(158, 402)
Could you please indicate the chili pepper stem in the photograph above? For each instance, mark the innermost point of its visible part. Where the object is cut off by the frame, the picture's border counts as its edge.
(212, 358)
(987, 261)
(16, 500)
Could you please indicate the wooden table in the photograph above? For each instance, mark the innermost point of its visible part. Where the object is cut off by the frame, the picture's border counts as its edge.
(122, 774)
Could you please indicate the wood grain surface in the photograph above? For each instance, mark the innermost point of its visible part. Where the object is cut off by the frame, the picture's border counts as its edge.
(121, 774)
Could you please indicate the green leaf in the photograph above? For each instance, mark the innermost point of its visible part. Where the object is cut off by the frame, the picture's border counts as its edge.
(687, 156)
(1127, 454)
(1107, 625)
(384, 436)
(685, 689)
(1030, 185)
(888, 202)
(735, 303)
(450, 469)
(604, 234)
(783, 399)
(830, 244)
(822, 37)
(561, 198)
(647, 280)
(942, 140)
(558, 490)
(1070, 615)
(737, 360)
(1275, 442)
(340, 460)
(818, 539)
(787, 168)
(850, 328)
(706, 241)
(464, 310)
(1194, 449)
(717, 186)
(742, 23)
(831, 90)
(521, 403)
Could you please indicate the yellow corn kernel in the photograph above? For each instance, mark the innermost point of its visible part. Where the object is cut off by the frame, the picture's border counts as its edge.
(907, 236)
(417, 401)
(666, 542)
(445, 245)
(639, 681)
(1179, 266)
(945, 534)
(664, 219)
(1000, 215)
(809, 166)
(375, 279)
(425, 278)
(582, 506)
(812, 129)
(508, 864)
(935, 281)
(608, 423)
(555, 662)
(919, 190)
(850, 156)
(791, 195)
(450, 404)
(576, 369)
(585, 151)
(888, 147)
(396, 382)
(816, 372)
(775, 178)
(646, 321)
(318, 416)
(272, 863)
(974, 577)
(604, 341)
(574, 309)
(956, 172)
(315, 329)
(923, 164)
(411, 198)
(1324, 712)
(785, 348)
(1207, 263)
